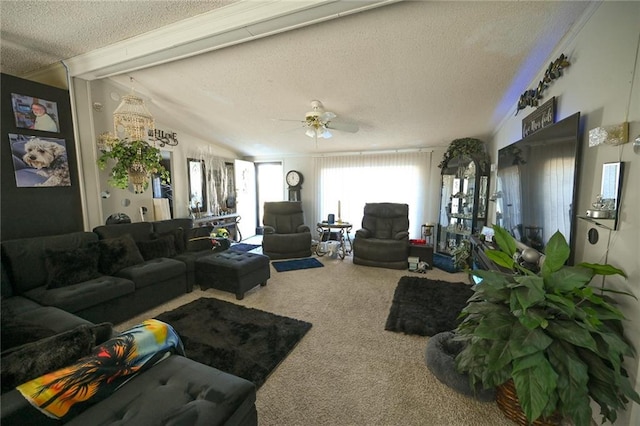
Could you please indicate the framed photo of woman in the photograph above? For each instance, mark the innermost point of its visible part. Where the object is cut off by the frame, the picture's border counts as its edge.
(35, 113)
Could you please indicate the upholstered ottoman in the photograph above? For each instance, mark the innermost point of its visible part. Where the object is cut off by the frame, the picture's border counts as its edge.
(233, 271)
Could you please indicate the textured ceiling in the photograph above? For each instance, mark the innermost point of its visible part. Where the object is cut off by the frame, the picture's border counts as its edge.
(409, 74)
(36, 34)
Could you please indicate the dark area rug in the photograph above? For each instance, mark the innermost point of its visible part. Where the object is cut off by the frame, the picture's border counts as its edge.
(243, 247)
(245, 342)
(426, 307)
(292, 265)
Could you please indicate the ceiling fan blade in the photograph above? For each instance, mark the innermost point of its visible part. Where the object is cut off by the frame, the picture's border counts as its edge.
(343, 126)
(327, 116)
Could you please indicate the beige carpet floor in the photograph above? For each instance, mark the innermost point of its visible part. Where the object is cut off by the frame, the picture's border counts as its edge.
(348, 370)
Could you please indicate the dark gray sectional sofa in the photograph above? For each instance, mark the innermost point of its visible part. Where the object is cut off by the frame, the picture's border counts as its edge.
(66, 287)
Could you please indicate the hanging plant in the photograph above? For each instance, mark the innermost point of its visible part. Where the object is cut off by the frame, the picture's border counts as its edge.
(135, 161)
(468, 147)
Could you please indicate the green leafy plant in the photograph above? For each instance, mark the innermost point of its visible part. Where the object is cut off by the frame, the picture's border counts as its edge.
(557, 337)
(468, 147)
(132, 158)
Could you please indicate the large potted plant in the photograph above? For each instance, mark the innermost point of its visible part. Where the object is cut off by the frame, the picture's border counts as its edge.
(555, 336)
(135, 161)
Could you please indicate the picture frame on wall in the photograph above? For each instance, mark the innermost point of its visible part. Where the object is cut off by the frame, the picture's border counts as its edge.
(39, 161)
(35, 113)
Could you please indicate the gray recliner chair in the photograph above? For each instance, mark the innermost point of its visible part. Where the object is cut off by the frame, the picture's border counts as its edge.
(383, 240)
(285, 234)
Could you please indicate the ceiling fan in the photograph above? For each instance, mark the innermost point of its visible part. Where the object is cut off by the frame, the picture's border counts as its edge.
(319, 122)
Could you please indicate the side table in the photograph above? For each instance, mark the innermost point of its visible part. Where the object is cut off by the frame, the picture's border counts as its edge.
(424, 252)
(334, 232)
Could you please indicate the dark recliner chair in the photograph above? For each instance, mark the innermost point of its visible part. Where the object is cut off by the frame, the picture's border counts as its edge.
(285, 234)
(383, 240)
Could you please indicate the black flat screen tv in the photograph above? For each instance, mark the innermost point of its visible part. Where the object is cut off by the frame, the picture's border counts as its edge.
(537, 180)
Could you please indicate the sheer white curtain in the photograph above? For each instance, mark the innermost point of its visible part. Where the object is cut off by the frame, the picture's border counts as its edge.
(354, 180)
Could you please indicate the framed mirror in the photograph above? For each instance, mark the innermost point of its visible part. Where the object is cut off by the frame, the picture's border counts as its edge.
(611, 187)
(197, 185)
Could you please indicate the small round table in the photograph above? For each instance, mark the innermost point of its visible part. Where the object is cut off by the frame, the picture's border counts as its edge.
(334, 232)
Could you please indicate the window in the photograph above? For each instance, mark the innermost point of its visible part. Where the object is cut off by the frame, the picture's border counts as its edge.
(270, 186)
(359, 179)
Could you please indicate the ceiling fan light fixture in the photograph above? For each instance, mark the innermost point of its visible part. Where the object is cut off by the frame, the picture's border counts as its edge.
(326, 134)
(310, 132)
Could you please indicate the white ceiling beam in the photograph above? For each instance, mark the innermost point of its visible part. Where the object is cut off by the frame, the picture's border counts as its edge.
(229, 25)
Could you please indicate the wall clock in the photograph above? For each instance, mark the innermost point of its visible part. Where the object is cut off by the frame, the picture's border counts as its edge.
(294, 180)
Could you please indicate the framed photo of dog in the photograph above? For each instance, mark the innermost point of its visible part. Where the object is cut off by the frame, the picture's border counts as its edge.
(39, 161)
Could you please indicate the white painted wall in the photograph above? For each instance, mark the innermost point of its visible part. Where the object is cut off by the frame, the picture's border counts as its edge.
(92, 122)
(604, 86)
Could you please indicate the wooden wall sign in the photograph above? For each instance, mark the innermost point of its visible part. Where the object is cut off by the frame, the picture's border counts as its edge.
(543, 116)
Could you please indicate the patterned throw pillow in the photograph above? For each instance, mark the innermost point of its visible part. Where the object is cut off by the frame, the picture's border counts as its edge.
(71, 266)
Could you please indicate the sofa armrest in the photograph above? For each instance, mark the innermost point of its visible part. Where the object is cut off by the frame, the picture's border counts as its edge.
(363, 233)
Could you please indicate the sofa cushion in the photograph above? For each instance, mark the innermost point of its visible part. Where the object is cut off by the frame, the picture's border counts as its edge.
(160, 247)
(118, 253)
(76, 297)
(179, 226)
(32, 360)
(153, 271)
(25, 258)
(20, 325)
(177, 391)
(198, 239)
(140, 231)
(178, 238)
(71, 266)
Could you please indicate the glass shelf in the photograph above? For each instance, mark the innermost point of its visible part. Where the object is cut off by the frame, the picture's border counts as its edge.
(463, 202)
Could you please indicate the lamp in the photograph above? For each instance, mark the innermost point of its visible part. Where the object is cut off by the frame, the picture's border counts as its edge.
(136, 158)
(132, 118)
(317, 121)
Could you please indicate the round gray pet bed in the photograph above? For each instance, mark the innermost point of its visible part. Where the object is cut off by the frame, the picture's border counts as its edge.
(440, 359)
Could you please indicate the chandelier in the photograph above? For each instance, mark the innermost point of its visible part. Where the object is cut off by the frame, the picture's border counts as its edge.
(132, 118)
(317, 120)
(129, 145)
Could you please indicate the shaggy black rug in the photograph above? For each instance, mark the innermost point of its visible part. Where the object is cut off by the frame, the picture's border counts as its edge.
(245, 342)
(426, 307)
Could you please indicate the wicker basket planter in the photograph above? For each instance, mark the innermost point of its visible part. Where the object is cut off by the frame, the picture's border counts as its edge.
(508, 402)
